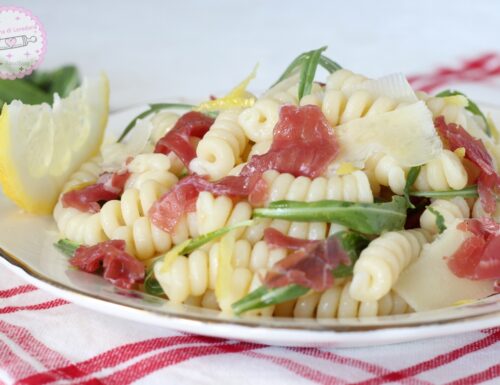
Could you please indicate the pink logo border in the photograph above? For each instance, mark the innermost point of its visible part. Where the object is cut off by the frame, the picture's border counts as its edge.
(41, 54)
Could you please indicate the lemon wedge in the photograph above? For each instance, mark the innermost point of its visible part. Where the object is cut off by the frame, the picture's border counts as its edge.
(40, 145)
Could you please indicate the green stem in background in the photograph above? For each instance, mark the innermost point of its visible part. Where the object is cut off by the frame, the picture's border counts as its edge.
(308, 72)
(153, 108)
(151, 284)
(67, 247)
(368, 218)
(467, 192)
(410, 180)
(353, 243)
(471, 106)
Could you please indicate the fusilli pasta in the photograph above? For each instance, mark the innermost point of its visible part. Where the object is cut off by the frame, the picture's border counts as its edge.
(451, 210)
(221, 148)
(443, 173)
(337, 302)
(354, 187)
(196, 274)
(381, 263)
(80, 226)
(259, 120)
(454, 113)
(383, 170)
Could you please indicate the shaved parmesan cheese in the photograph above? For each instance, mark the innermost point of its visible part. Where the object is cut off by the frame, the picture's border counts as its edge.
(115, 154)
(407, 134)
(394, 86)
(429, 284)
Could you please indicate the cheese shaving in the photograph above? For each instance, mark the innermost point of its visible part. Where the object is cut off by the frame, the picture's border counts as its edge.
(394, 86)
(407, 134)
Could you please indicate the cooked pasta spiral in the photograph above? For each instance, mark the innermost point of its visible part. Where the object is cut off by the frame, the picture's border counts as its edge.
(478, 211)
(383, 170)
(259, 120)
(87, 173)
(221, 148)
(453, 113)
(354, 187)
(381, 263)
(455, 208)
(343, 79)
(443, 173)
(214, 213)
(195, 275)
(82, 227)
(337, 302)
(338, 107)
(127, 218)
(285, 92)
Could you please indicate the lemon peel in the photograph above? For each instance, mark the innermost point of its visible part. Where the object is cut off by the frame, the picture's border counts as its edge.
(238, 97)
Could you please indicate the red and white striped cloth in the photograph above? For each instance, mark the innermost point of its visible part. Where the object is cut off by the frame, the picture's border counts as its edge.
(46, 340)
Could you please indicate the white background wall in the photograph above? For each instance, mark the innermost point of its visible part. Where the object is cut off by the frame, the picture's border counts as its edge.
(163, 50)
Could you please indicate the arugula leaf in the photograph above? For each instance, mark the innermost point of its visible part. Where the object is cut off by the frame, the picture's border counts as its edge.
(368, 218)
(292, 68)
(263, 297)
(21, 89)
(351, 241)
(308, 71)
(302, 59)
(152, 109)
(40, 86)
(64, 80)
(410, 180)
(67, 247)
(467, 192)
(328, 64)
(472, 107)
(61, 81)
(151, 284)
(439, 219)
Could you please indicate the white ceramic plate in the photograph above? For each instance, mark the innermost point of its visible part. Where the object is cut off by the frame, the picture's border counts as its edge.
(26, 244)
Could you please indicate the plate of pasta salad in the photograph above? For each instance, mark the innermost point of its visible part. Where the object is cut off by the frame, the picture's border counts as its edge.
(336, 210)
